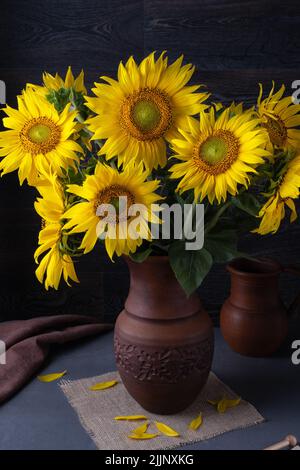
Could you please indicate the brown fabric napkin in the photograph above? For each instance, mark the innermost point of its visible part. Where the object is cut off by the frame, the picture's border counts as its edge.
(28, 342)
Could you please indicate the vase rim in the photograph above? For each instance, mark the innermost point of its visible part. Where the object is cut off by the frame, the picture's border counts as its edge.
(258, 267)
(151, 258)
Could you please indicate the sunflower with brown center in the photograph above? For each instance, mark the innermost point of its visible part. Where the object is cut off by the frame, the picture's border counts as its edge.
(280, 118)
(137, 113)
(103, 215)
(217, 154)
(39, 138)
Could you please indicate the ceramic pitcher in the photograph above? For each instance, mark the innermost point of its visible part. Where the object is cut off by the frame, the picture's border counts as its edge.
(254, 320)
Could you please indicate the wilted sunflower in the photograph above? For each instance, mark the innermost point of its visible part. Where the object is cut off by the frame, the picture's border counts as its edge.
(56, 83)
(217, 154)
(280, 117)
(107, 186)
(145, 106)
(288, 189)
(38, 139)
(55, 263)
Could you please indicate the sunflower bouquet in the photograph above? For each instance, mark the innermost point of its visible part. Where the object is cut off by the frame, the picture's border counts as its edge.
(149, 137)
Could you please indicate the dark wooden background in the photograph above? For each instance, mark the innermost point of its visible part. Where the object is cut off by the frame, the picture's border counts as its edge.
(234, 44)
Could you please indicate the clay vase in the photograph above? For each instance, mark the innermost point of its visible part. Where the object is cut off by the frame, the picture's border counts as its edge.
(254, 321)
(163, 340)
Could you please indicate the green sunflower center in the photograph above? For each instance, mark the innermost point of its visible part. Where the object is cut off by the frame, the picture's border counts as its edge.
(214, 150)
(146, 114)
(40, 135)
(216, 153)
(111, 195)
(276, 130)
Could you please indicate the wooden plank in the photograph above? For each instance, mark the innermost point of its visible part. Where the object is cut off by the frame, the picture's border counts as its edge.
(59, 32)
(218, 35)
(233, 44)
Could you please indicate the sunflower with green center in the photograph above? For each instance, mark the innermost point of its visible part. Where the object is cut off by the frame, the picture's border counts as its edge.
(280, 118)
(106, 186)
(56, 261)
(288, 189)
(137, 113)
(56, 83)
(39, 138)
(217, 154)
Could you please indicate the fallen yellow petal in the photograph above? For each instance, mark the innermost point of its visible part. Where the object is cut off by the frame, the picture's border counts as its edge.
(141, 429)
(234, 402)
(51, 377)
(212, 402)
(225, 403)
(221, 406)
(142, 436)
(196, 423)
(103, 385)
(167, 430)
(130, 418)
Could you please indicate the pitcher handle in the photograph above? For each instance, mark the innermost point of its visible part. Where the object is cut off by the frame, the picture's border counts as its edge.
(294, 308)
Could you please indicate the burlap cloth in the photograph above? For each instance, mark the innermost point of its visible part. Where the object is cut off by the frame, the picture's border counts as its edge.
(96, 411)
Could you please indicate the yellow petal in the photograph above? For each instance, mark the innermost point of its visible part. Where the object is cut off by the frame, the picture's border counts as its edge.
(224, 404)
(221, 406)
(196, 423)
(103, 385)
(212, 402)
(51, 377)
(142, 436)
(166, 429)
(141, 429)
(130, 418)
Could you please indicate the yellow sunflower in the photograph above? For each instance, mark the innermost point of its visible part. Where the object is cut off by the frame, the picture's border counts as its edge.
(280, 117)
(55, 263)
(38, 139)
(143, 108)
(217, 154)
(288, 189)
(56, 83)
(107, 186)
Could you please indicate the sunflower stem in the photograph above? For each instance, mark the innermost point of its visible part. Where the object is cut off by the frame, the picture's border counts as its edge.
(211, 224)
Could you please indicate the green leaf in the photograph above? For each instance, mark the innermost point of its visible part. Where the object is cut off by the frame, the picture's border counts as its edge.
(141, 256)
(248, 203)
(190, 267)
(222, 245)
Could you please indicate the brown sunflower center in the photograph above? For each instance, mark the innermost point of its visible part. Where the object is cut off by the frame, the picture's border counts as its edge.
(146, 114)
(112, 195)
(40, 135)
(216, 153)
(44, 223)
(276, 130)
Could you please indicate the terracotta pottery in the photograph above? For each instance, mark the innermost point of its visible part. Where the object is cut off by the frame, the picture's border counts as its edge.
(163, 340)
(254, 321)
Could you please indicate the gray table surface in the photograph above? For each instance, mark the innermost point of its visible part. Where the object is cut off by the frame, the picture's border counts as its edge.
(39, 416)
